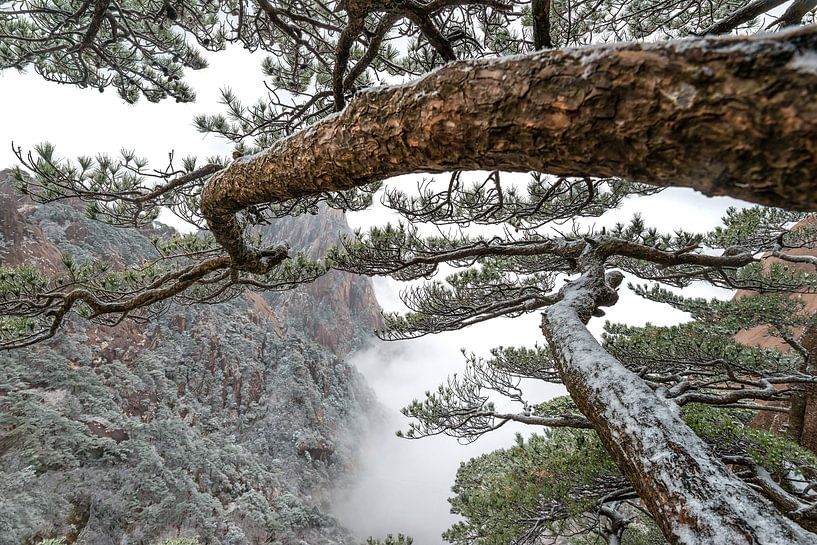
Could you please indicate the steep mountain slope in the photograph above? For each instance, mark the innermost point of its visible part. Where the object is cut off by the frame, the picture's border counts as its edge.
(228, 422)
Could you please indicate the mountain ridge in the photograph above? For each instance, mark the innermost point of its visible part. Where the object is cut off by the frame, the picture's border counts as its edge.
(227, 422)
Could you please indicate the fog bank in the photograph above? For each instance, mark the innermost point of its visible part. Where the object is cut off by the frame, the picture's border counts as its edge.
(403, 484)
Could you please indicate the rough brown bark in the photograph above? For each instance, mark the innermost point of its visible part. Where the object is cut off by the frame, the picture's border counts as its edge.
(797, 416)
(808, 436)
(806, 425)
(726, 116)
(693, 496)
(100, 9)
(540, 11)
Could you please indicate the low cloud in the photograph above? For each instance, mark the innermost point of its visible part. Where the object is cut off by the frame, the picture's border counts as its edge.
(403, 485)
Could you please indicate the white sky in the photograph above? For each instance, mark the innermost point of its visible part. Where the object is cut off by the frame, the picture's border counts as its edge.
(405, 484)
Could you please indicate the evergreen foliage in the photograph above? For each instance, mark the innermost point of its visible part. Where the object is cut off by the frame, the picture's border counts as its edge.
(199, 422)
(563, 482)
(507, 248)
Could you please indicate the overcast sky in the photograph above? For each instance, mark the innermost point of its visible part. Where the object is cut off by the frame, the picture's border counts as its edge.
(404, 484)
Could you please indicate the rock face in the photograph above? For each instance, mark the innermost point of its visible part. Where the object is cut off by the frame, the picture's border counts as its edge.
(227, 422)
(800, 424)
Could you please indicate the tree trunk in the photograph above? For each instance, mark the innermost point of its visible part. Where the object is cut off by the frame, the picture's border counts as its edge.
(805, 401)
(726, 116)
(694, 498)
(808, 436)
(540, 12)
(797, 416)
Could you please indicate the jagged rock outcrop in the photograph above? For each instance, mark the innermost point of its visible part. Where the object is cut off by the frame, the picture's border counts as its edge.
(228, 422)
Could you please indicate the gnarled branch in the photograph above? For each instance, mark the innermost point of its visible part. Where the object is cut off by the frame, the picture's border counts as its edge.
(652, 113)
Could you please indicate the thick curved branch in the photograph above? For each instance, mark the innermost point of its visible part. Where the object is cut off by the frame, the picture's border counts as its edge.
(56, 306)
(162, 289)
(620, 247)
(804, 513)
(653, 113)
(791, 258)
(562, 421)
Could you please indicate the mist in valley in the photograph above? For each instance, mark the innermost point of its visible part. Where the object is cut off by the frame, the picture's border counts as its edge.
(402, 485)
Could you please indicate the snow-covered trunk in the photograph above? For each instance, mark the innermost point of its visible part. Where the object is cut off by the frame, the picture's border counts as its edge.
(694, 497)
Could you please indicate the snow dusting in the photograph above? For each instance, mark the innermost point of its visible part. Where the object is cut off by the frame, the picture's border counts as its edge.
(670, 454)
(805, 62)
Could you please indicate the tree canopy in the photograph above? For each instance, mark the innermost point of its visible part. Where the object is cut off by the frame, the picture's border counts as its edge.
(595, 125)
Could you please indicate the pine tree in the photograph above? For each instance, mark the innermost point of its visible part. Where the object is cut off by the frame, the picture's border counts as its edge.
(598, 123)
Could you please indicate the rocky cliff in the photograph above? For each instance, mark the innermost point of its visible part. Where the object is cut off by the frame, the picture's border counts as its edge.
(800, 423)
(227, 422)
